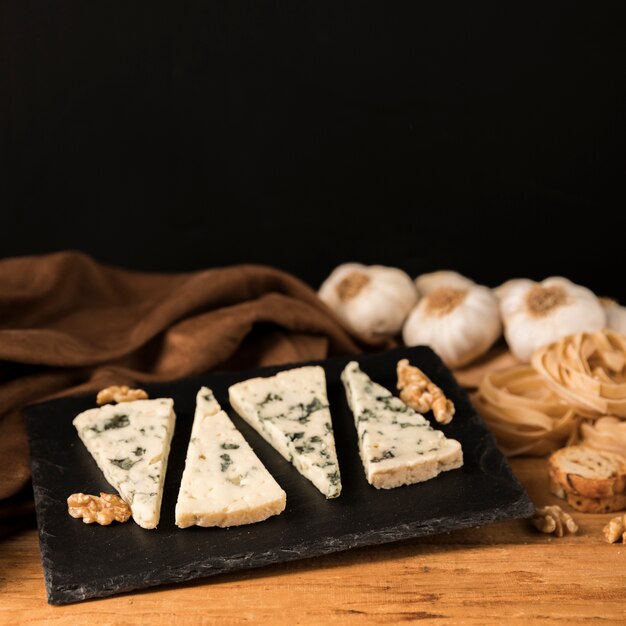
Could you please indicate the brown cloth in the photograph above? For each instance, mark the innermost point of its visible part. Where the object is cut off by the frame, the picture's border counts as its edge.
(69, 325)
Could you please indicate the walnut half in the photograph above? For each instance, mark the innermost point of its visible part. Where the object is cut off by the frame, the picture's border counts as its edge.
(615, 529)
(103, 510)
(421, 394)
(553, 519)
(121, 393)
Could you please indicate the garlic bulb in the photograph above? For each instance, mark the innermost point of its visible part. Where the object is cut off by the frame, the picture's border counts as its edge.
(426, 283)
(615, 315)
(459, 323)
(537, 314)
(372, 300)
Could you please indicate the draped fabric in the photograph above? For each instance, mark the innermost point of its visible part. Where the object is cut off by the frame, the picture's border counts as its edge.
(69, 324)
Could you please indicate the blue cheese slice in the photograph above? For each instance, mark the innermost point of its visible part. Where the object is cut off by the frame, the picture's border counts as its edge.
(224, 483)
(130, 442)
(397, 445)
(290, 411)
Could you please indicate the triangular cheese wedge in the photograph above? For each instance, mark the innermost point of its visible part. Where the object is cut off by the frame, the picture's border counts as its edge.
(290, 411)
(397, 445)
(224, 483)
(130, 442)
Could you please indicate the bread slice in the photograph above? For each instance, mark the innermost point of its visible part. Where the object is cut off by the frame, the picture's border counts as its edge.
(224, 483)
(587, 472)
(589, 505)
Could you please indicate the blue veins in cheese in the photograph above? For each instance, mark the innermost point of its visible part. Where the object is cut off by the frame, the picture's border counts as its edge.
(130, 442)
(397, 445)
(224, 483)
(290, 411)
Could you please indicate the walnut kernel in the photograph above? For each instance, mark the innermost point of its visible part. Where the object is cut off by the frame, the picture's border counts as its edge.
(615, 529)
(121, 393)
(553, 519)
(421, 394)
(102, 510)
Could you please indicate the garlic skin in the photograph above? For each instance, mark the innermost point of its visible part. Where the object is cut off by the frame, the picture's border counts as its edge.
(372, 300)
(426, 283)
(537, 314)
(459, 324)
(615, 315)
(501, 290)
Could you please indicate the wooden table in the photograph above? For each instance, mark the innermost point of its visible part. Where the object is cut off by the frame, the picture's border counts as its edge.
(502, 574)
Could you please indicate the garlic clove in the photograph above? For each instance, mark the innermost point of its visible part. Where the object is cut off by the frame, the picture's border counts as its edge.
(615, 315)
(460, 324)
(426, 283)
(537, 314)
(373, 301)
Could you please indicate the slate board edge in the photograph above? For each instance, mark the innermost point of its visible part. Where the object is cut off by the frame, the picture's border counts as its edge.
(522, 508)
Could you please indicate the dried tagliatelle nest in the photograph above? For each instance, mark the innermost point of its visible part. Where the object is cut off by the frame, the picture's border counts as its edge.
(605, 433)
(588, 371)
(574, 389)
(524, 413)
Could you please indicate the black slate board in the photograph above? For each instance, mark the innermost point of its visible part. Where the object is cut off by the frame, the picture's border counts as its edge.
(86, 561)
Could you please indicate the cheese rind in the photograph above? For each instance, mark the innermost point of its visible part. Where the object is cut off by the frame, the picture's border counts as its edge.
(290, 411)
(397, 445)
(224, 483)
(130, 442)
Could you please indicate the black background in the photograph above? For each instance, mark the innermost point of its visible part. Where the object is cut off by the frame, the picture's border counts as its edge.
(177, 135)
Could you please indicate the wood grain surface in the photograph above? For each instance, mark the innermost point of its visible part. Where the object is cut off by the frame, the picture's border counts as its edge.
(506, 573)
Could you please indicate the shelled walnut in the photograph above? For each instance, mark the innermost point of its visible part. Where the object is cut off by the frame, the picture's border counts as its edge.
(615, 529)
(421, 394)
(102, 510)
(121, 393)
(553, 519)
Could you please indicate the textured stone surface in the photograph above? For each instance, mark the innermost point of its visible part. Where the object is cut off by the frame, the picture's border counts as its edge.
(81, 561)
